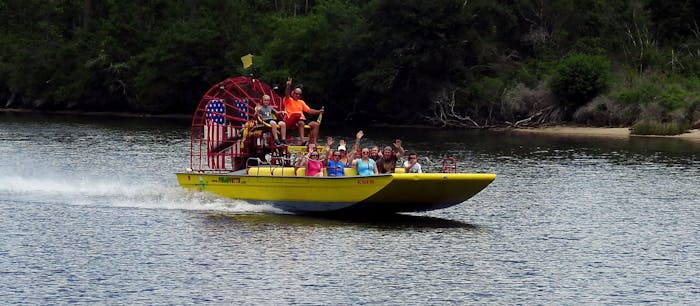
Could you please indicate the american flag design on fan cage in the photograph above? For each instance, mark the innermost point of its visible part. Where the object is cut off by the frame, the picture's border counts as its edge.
(219, 138)
(216, 117)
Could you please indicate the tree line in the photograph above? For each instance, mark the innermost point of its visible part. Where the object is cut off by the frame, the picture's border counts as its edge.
(474, 63)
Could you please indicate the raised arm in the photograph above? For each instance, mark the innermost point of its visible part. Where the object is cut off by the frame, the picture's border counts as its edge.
(356, 146)
(256, 115)
(329, 143)
(300, 162)
(399, 149)
(288, 88)
(410, 164)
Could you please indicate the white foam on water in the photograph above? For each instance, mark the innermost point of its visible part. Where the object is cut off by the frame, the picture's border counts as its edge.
(52, 189)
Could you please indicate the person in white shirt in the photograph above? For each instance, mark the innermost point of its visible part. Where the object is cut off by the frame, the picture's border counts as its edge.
(411, 164)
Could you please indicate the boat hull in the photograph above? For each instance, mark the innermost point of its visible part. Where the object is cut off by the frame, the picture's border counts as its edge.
(410, 192)
(388, 193)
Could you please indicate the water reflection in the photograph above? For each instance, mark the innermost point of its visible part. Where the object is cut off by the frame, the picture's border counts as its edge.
(389, 222)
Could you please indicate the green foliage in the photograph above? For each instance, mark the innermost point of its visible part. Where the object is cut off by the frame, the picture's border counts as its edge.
(579, 78)
(413, 50)
(660, 97)
(650, 127)
(316, 50)
(374, 59)
(531, 72)
(671, 92)
(487, 89)
(692, 65)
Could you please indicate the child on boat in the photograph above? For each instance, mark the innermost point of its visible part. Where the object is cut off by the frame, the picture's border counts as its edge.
(267, 114)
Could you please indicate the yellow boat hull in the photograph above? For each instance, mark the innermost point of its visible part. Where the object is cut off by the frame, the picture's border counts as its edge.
(409, 192)
(388, 193)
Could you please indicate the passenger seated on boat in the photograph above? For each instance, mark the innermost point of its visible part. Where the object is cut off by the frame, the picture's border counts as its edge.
(335, 167)
(295, 108)
(387, 164)
(268, 116)
(411, 165)
(364, 164)
(314, 166)
(374, 153)
(344, 158)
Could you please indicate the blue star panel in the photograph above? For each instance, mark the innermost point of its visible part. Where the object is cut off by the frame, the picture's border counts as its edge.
(216, 111)
(242, 105)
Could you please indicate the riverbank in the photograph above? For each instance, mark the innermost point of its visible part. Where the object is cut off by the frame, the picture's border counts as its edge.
(622, 133)
(562, 131)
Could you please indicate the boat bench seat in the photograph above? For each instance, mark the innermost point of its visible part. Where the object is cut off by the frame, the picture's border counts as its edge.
(289, 171)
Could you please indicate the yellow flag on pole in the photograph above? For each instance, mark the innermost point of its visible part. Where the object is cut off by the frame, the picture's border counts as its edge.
(247, 60)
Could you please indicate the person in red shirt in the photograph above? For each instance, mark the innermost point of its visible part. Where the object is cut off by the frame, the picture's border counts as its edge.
(295, 108)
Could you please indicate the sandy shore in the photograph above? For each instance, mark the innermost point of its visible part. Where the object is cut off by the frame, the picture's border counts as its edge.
(694, 135)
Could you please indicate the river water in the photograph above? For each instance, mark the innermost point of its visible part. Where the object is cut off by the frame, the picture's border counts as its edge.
(90, 213)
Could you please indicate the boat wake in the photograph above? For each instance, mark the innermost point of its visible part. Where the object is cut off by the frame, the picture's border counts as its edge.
(87, 191)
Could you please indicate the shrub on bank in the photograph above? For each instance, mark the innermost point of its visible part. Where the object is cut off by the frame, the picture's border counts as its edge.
(520, 101)
(652, 127)
(603, 111)
(659, 97)
(579, 78)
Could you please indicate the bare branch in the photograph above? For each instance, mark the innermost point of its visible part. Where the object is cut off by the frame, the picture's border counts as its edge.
(444, 113)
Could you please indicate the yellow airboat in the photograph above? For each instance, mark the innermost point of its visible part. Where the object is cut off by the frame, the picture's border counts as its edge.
(232, 155)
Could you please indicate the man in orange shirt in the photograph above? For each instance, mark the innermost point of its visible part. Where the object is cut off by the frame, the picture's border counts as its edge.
(295, 108)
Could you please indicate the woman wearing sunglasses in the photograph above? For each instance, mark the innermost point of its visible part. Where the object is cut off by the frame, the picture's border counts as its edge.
(364, 164)
(312, 162)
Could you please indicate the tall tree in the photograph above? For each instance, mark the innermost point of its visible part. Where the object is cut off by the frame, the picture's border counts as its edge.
(413, 49)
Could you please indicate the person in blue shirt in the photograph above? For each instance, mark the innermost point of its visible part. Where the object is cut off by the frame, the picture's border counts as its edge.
(364, 164)
(335, 166)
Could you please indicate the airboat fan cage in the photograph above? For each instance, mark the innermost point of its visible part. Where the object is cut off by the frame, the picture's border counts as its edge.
(222, 122)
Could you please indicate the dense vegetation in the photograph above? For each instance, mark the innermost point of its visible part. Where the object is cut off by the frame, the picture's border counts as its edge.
(445, 62)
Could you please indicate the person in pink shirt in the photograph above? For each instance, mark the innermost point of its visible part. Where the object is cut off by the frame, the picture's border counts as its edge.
(312, 162)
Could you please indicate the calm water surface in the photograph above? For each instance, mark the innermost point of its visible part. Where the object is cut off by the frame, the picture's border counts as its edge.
(90, 213)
